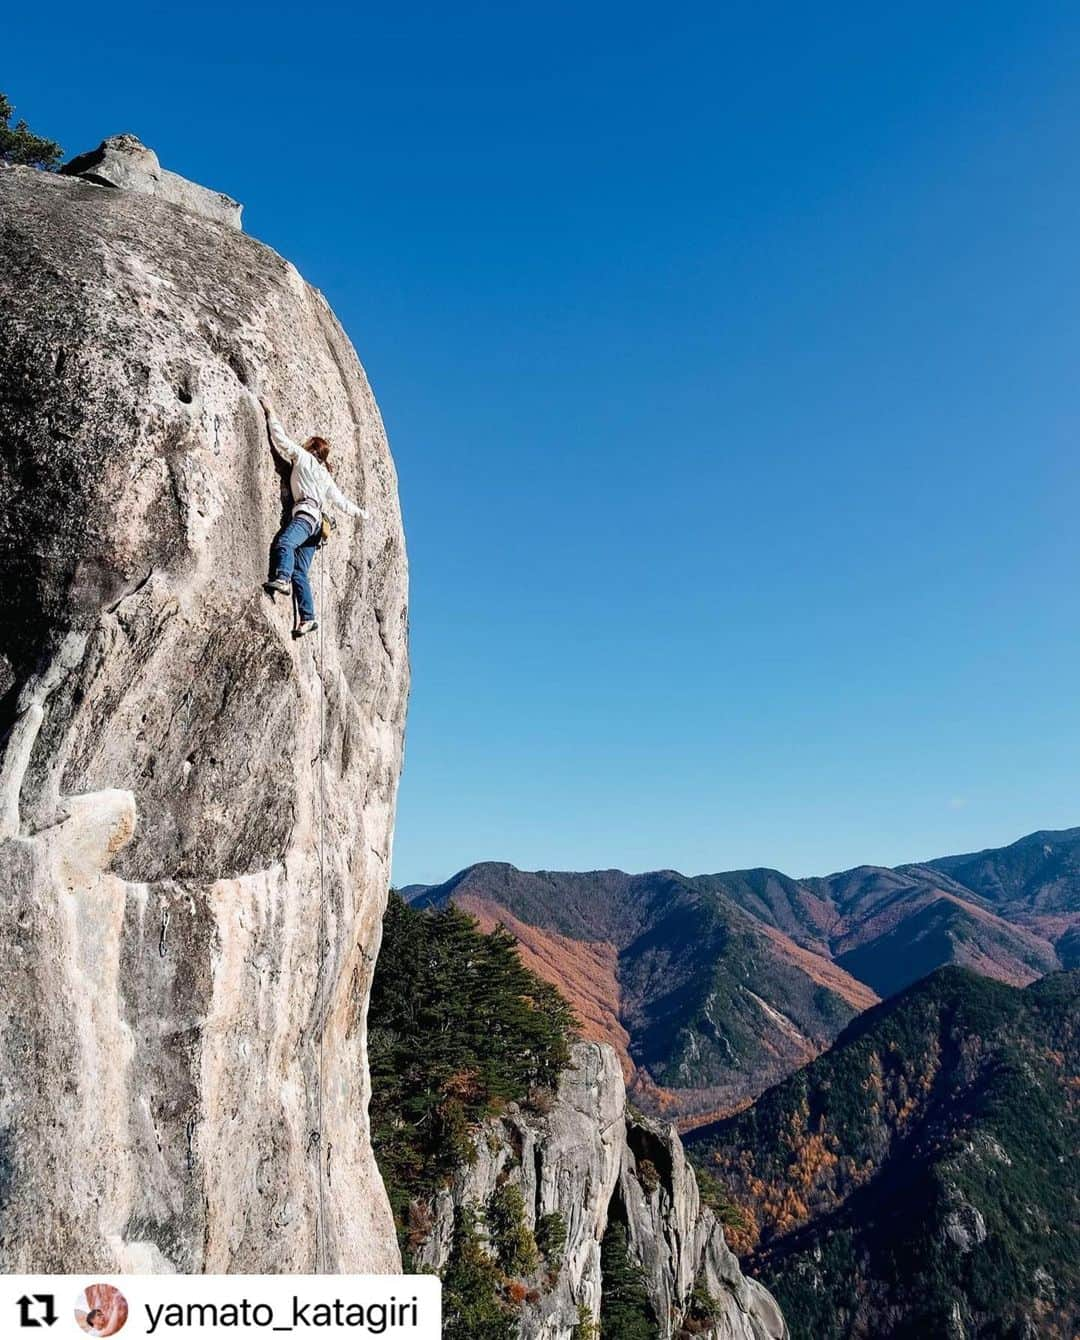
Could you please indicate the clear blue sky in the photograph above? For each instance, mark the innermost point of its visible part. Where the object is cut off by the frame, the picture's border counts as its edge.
(729, 358)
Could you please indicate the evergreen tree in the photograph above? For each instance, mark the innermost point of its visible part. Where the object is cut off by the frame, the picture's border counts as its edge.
(19, 145)
(513, 1240)
(551, 1238)
(625, 1310)
(457, 1027)
(472, 1305)
(586, 1328)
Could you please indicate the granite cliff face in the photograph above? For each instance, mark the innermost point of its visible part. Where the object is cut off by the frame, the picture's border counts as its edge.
(591, 1161)
(195, 811)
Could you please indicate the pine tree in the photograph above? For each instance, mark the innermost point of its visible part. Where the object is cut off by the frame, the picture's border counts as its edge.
(19, 145)
(472, 1305)
(457, 1028)
(625, 1310)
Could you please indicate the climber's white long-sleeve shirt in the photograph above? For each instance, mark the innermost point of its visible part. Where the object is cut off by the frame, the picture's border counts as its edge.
(311, 482)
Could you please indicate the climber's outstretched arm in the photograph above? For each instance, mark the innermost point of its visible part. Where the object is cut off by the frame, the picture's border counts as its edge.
(334, 495)
(279, 439)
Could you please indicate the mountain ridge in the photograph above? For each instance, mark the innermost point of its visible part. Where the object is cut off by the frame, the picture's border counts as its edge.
(713, 986)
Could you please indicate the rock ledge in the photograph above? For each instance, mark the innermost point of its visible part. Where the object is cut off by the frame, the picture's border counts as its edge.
(125, 163)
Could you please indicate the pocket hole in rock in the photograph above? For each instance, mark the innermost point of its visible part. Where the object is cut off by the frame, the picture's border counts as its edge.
(237, 365)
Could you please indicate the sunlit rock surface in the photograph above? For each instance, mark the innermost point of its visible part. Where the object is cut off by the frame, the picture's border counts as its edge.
(195, 810)
(589, 1159)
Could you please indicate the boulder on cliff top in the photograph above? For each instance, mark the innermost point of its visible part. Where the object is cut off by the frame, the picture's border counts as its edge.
(124, 162)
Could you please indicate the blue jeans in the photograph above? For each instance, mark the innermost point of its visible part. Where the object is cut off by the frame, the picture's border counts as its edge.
(290, 558)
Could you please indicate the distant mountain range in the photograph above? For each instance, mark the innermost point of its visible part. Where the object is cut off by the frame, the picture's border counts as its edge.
(713, 987)
(920, 1178)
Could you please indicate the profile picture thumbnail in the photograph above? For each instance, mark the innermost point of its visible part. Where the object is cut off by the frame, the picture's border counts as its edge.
(101, 1309)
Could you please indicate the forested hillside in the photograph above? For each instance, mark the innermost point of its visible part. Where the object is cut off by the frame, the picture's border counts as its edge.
(923, 1172)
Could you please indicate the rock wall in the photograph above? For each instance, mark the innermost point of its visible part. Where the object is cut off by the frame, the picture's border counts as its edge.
(589, 1158)
(195, 810)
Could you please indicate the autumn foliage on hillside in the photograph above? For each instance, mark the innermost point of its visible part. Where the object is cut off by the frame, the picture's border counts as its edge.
(927, 1160)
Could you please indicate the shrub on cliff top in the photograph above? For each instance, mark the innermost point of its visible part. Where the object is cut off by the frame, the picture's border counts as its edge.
(19, 144)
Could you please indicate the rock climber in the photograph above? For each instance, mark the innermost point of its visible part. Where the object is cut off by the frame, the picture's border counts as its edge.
(313, 487)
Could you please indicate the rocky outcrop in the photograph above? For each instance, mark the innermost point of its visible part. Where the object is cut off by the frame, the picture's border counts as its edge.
(196, 810)
(589, 1160)
(681, 1243)
(124, 162)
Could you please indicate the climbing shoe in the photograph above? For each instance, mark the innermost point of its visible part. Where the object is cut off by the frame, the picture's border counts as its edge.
(279, 584)
(307, 627)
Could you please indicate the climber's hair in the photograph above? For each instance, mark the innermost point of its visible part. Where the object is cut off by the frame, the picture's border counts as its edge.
(319, 448)
(94, 1312)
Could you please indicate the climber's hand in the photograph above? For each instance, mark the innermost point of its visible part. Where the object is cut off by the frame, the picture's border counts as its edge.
(267, 407)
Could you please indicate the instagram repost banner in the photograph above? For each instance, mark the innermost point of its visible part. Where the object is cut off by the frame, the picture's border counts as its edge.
(209, 1306)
